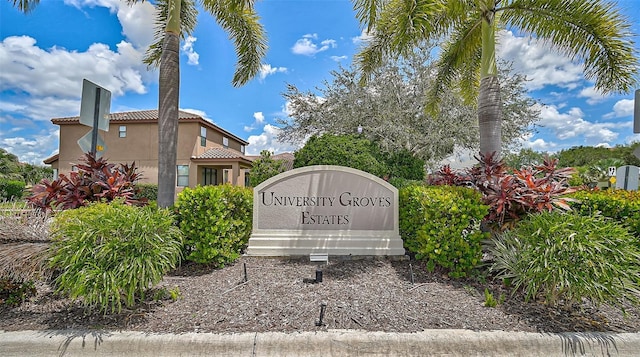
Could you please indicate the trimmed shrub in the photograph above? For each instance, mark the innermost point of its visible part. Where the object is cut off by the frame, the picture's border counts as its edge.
(623, 206)
(11, 190)
(110, 254)
(147, 191)
(565, 258)
(216, 222)
(442, 225)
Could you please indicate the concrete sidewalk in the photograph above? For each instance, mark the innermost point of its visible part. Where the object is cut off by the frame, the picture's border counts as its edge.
(330, 343)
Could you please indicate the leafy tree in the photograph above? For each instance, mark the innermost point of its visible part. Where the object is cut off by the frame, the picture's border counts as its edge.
(12, 169)
(9, 164)
(360, 153)
(524, 157)
(589, 30)
(345, 150)
(264, 168)
(177, 19)
(589, 155)
(390, 109)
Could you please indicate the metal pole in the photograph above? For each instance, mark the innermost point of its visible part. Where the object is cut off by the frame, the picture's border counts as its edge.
(96, 119)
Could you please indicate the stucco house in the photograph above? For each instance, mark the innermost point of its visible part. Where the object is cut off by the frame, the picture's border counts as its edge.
(207, 154)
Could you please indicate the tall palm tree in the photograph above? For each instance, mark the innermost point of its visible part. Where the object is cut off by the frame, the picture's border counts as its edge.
(177, 19)
(588, 30)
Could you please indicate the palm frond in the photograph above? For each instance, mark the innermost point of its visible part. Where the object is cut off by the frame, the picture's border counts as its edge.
(25, 6)
(24, 243)
(188, 21)
(588, 30)
(367, 12)
(241, 21)
(459, 62)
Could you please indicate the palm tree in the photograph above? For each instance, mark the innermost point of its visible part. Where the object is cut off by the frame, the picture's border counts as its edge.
(588, 30)
(177, 19)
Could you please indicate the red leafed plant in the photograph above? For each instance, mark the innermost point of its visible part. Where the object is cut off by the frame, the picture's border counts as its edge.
(512, 195)
(95, 180)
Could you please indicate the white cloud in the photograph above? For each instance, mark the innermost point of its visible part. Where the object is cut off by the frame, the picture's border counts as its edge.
(34, 149)
(187, 49)
(268, 141)
(543, 65)
(363, 37)
(592, 95)
(199, 112)
(306, 45)
(267, 70)
(258, 120)
(571, 124)
(339, 58)
(622, 108)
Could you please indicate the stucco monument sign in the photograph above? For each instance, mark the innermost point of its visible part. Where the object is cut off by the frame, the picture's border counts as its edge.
(325, 209)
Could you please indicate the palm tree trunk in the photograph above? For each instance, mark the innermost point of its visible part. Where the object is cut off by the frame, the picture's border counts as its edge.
(168, 103)
(489, 101)
(490, 116)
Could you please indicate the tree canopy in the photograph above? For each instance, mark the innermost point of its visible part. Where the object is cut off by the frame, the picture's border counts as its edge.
(390, 109)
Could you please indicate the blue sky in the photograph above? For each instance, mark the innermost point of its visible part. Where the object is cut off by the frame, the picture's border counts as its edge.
(45, 55)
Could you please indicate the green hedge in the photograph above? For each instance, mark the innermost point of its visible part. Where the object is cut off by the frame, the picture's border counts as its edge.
(148, 191)
(621, 205)
(11, 190)
(216, 222)
(441, 224)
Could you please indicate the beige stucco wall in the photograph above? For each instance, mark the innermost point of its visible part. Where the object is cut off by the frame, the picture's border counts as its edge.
(141, 146)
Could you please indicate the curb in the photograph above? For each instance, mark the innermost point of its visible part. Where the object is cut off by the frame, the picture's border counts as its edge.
(330, 343)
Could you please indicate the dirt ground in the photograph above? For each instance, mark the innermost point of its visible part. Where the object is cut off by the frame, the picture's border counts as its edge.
(281, 295)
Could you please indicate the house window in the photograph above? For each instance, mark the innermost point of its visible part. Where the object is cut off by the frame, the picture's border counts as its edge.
(225, 176)
(242, 149)
(225, 142)
(203, 136)
(55, 174)
(122, 131)
(183, 175)
(74, 168)
(209, 176)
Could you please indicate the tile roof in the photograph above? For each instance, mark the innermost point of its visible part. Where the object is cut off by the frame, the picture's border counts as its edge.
(151, 114)
(220, 153)
(286, 158)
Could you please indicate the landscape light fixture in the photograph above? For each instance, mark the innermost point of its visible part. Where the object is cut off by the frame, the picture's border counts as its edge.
(359, 129)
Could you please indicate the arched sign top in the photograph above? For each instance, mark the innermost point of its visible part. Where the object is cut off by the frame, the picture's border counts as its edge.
(317, 168)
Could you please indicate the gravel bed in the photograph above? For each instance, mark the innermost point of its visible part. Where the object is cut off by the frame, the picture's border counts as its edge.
(373, 294)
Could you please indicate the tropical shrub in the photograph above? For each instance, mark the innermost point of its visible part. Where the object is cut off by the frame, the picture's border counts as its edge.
(511, 196)
(147, 191)
(11, 190)
(216, 222)
(442, 226)
(563, 258)
(621, 205)
(95, 180)
(111, 253)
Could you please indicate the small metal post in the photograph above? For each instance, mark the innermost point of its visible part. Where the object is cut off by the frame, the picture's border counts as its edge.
(244, 266)
(318, 275)
(323, 306)
(411, 274)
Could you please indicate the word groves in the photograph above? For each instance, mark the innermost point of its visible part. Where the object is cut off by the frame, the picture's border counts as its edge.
(345, 199)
